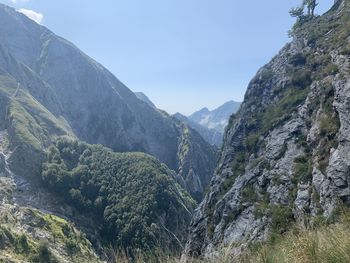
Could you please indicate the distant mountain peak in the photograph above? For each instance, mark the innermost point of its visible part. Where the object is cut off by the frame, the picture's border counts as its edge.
(211, 124)
(216, 119)
(229, 103)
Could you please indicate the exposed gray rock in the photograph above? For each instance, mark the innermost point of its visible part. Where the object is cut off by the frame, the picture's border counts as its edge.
(287, 149)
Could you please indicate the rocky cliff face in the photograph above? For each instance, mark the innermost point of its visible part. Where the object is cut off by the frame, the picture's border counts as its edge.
(50, 88)
(285, 156)
(189, 162)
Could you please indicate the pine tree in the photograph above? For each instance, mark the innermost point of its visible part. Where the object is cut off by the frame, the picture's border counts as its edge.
(311, 5)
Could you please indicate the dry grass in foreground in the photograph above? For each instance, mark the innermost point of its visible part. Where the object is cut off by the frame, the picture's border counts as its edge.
(327, 243)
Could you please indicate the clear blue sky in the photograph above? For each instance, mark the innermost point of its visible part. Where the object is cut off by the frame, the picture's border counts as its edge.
(184, 54)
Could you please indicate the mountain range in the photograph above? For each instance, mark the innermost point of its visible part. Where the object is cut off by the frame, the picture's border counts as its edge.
(50, 90)
(92, 172)
(216, 119)
(211, 124)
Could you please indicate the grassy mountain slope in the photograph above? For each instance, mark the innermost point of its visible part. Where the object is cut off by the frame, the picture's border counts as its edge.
(31, 236)
(31, 127)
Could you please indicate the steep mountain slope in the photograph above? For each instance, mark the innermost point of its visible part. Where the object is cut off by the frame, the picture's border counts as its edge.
(285, 156)
(190, 161)
(216, 119)
(68, 93)
(132, 197)
(212, 136)
(142, 96)
(29, 230)
(50, 89)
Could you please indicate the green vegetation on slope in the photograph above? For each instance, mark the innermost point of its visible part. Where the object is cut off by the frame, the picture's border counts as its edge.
(31, 127)
(29, 121)
(131, 196)
(31, 236)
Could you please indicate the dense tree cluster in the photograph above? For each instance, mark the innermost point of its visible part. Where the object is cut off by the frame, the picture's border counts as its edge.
(132, 196)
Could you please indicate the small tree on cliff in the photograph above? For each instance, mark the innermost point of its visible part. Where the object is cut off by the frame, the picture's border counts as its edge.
(298, 12)
(311, 5)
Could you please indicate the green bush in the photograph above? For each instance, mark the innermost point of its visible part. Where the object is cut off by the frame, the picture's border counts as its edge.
(329, 125)
(266, 75)
(252, 142)
(297, 59)
(281, 218)
(301, 78)
(72, 245)
(283, 109)
(345, 50)
(249, 195)
(238, 164)
(302, 169)
(330, 69)
(261, 209)
(238, 168)
(9, 235)
(44, 254)
(22, 243)
(227, 184)
(3, 238)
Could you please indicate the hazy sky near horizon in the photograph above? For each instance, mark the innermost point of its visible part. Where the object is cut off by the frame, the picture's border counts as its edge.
(183, 54)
